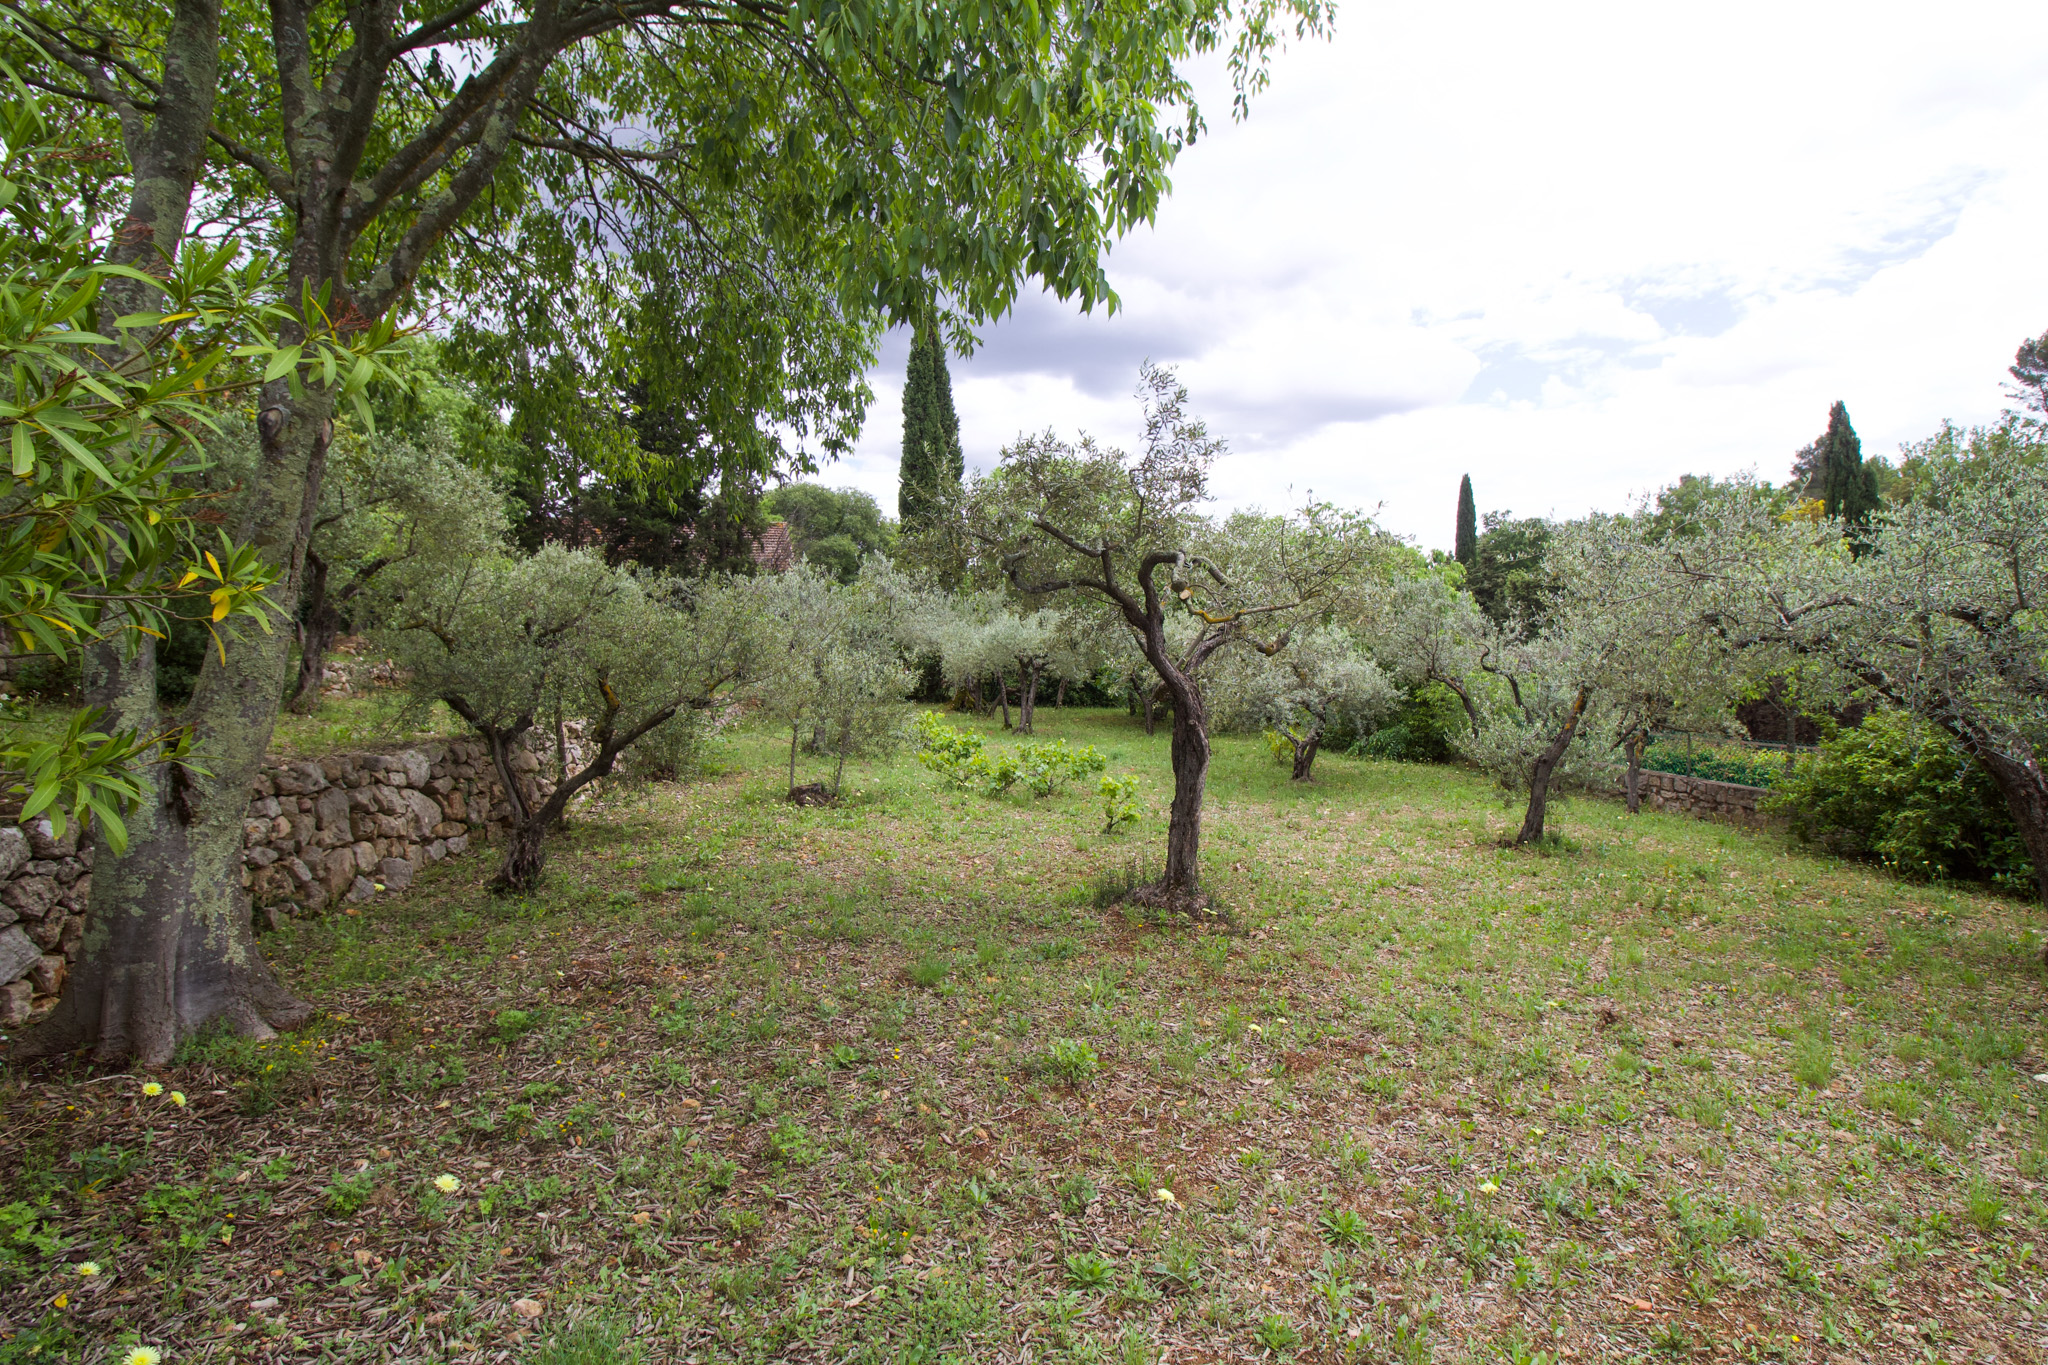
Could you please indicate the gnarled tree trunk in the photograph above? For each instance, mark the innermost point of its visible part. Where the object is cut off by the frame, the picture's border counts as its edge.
(1027, 697)
(1181, 885)
(1305, 749)
(1632, 779)
(1544, 768)
(317, 631)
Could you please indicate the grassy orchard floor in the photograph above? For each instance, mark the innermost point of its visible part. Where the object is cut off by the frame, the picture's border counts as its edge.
(760, 1083)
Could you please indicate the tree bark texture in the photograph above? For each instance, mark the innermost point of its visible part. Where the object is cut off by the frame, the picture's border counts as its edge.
(1305, 750)
(168, 947)
(1545, 766)
(1190, 749)
(1027, 697)
(317, 632)
(1632, 780)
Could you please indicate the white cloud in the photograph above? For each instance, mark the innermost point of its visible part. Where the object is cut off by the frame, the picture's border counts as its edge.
(1573, 251)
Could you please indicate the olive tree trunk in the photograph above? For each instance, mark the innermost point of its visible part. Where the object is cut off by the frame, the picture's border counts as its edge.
(1305, 750)
(2024, 785)
(318, 626)
(1182, 881)
(527, 831)
(1027, 697)
(1545, 767)
(1632, 779)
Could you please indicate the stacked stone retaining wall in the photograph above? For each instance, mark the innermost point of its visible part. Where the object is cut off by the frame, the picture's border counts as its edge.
(1685, 795)
(317, 831)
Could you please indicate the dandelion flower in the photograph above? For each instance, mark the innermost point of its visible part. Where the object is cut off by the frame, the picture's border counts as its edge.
(152, 1089)
(447, 1184)
(1256, 1029)
(178, 1098)
(143, 1355)
(1165, 1196)
(1488, 1187)
(88, 1268)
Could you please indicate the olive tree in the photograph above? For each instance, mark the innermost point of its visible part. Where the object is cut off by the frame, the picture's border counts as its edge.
(1430, 630)
(1127, 532)
(393, 505)
(1547, 705)
(979, 635)
(1314, 680)
(829, 662)
(1934, 609)
(504, 641)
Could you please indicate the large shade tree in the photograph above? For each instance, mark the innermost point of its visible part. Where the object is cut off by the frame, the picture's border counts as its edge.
(761, 184)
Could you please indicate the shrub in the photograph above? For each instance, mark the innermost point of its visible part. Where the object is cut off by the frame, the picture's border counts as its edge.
(1045, 768)
(950, 753)
(963, 759)
(1716, 765)
(1119, 802)
(1898, 791)
(1422, 729)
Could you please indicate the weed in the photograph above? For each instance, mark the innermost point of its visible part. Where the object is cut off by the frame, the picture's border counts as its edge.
(1076, 1192)
(1086, 1270)
(1345, 1227)
(1276, 1333)
(1071, 1060)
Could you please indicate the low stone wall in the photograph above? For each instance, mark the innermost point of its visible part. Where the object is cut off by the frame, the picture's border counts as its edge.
(317, 831)
(1711, 800)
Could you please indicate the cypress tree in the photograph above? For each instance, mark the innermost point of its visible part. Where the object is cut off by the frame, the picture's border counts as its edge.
(1466, 547)
(1847, 486)
(932, 460)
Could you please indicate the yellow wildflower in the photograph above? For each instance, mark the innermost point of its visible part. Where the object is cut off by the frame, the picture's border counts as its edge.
(447, 1184)
(152, 1089)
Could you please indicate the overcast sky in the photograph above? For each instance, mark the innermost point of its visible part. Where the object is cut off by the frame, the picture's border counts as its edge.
(1575, 250)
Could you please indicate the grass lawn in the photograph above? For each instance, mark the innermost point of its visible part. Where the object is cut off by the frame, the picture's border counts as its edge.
(889, 1082)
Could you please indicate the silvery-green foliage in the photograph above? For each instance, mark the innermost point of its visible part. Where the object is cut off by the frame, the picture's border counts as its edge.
(508, 640)
(1429, 630)
(1626, 637)
(1315, 680)
(1935, 609)
(395, 508)
(831, 662)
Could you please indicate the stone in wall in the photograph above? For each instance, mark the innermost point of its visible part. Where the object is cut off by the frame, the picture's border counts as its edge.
(316, 831)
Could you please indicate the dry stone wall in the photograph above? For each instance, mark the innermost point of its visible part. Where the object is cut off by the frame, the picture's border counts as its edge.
(1685, 795)
(345, 827)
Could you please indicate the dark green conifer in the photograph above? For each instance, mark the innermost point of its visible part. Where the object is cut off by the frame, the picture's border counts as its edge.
(1467, 543)
(932, 461)
(1847, 486)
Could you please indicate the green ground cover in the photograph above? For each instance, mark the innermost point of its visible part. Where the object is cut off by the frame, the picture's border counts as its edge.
(892, 1081)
